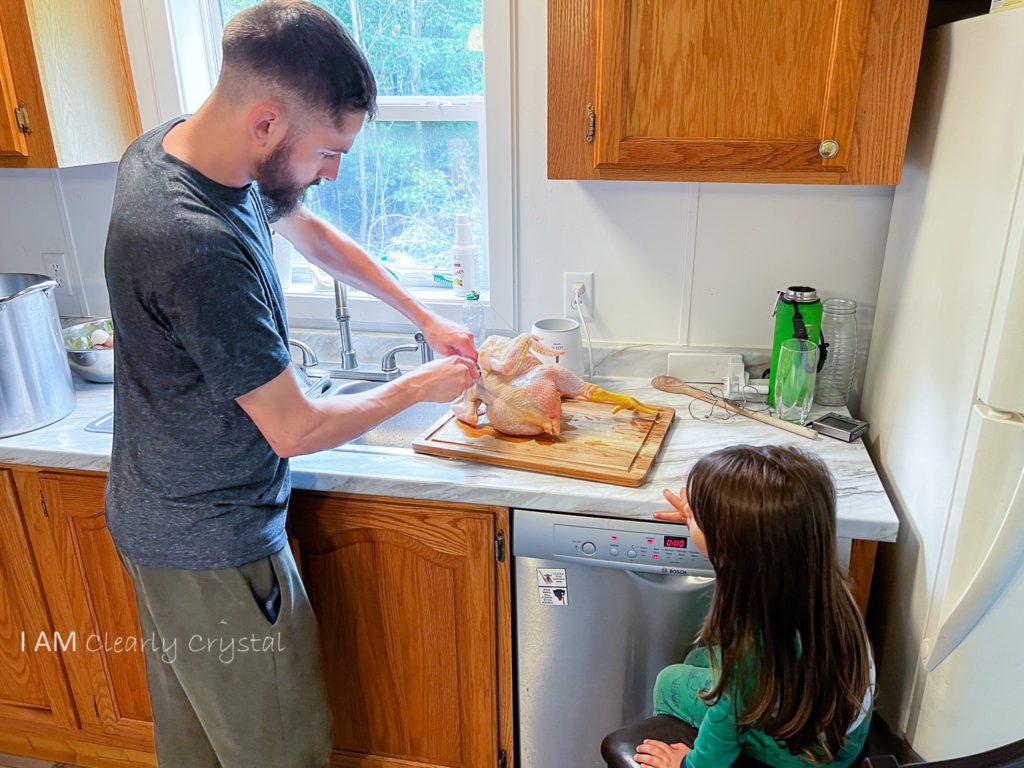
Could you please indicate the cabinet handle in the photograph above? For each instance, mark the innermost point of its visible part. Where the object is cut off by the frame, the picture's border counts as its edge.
(828, 148)
(21, 115)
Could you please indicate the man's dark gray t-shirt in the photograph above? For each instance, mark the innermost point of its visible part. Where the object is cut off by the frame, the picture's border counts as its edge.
(199, 319)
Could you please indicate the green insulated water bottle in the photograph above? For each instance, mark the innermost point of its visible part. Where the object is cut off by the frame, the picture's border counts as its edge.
(797, 316)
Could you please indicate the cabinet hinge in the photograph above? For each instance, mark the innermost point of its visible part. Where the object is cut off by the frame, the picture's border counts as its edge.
(21, 115)
(591, 123)
(46, 512)
(502, 759)
(499, 547)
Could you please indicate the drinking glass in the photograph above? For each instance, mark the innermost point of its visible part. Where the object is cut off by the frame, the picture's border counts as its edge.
(794, 380)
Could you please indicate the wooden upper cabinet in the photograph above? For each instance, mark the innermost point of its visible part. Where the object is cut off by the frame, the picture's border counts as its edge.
(12, 139)
(804, 91)
(66, 86)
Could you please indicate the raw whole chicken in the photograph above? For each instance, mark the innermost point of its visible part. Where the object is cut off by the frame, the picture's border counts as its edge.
(523, 396)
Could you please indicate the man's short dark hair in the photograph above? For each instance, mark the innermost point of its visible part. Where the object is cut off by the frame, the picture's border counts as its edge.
(303, 50)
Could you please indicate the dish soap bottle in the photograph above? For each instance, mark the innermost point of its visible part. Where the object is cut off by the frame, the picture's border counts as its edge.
(464, 255)
(473, 317)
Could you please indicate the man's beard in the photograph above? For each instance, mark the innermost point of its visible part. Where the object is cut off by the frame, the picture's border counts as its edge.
(281, 195)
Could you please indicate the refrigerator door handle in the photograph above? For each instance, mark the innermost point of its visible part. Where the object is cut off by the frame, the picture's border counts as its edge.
(999, 568)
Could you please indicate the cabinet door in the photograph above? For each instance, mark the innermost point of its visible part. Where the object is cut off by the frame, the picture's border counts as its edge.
(68, 63)
(12, 140)
(33, 686)
(751, 90)
(406, 597)
(22, 86)
(92, 597)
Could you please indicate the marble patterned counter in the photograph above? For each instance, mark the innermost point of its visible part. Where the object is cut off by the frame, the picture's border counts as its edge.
(864, 510)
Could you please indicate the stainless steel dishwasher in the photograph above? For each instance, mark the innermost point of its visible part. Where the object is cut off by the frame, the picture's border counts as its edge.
(601, 606)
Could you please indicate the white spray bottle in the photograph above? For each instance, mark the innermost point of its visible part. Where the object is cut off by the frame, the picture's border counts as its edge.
(464, 256)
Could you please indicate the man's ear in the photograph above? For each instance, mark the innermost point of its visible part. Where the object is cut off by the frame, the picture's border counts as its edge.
(267, 124)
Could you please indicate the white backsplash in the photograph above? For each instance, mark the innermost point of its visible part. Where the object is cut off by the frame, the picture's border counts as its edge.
(634, 361)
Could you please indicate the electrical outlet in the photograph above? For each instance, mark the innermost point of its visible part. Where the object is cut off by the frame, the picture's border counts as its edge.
(56, 266)
(570, 280)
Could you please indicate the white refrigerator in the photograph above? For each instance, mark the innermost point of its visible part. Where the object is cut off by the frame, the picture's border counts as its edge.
(944, 394)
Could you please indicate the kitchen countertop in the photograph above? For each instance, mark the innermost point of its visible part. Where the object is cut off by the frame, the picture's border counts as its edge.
(864, 510)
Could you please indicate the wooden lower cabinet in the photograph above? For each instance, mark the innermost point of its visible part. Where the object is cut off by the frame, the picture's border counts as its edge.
(412, 599)
(92, 599)
(33, 686)
(414, 612)
(60, 698)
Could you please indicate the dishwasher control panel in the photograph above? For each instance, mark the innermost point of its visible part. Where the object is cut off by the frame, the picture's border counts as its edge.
(667, 549)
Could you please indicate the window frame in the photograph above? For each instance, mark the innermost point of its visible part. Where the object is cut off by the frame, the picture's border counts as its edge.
(494, 115)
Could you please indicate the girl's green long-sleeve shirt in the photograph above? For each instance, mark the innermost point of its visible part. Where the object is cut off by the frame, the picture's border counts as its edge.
(719, 742)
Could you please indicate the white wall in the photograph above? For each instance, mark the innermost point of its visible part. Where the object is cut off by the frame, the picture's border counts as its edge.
(681, 263)
(66, 211)
(674, 263)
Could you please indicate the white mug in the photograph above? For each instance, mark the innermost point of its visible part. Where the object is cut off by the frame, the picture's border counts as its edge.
(563, 336)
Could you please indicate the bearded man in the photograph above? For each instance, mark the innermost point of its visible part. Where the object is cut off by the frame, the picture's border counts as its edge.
(207, 409)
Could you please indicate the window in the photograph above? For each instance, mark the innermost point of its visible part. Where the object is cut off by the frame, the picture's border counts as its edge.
(425, 158)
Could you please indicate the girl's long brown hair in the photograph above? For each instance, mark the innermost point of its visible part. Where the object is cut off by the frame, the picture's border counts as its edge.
(782, 614)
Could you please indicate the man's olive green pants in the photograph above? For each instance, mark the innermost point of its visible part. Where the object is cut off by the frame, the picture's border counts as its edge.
(233, 665)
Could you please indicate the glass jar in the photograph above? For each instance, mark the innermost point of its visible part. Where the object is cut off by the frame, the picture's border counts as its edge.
(839, 327)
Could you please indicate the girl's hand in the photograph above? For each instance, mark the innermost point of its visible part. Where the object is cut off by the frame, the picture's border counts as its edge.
(681, 511)
(661, 755)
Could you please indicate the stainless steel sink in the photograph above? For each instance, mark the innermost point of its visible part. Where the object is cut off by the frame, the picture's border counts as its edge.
(397, 432)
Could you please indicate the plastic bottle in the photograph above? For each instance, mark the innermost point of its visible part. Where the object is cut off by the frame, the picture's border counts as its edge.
(839, 327)
(473, 317)
(464, 256)
(797, 316)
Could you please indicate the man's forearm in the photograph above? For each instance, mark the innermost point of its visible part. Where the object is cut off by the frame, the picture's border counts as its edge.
(339, 255)
(338, 419)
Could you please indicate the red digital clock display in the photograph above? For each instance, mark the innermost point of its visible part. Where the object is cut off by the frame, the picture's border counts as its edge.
(675, 542)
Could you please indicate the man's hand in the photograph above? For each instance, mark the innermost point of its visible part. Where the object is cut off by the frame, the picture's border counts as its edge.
(681, 512)
(661, 755)
(444, 379)
(448, 338)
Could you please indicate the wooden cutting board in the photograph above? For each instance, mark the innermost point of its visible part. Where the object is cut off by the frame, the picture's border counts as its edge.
(594, 444)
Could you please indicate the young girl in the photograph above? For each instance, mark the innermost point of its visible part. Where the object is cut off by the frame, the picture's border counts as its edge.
(782, 671)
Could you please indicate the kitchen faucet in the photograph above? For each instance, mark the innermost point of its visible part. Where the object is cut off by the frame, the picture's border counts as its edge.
(349, 367)
(388, 365)
(309, 358)
(344, 318)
